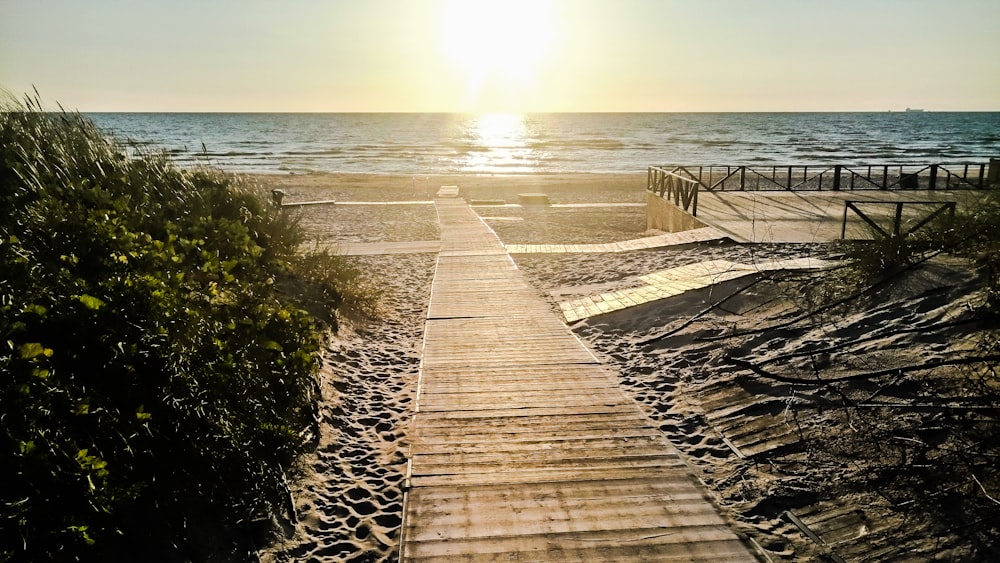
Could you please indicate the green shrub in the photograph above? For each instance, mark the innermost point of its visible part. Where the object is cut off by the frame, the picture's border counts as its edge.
(882, 257)
(155, 383)
(325, 285)
(978, 237)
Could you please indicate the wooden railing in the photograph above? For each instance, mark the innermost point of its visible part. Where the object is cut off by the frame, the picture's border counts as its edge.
(964, 176)
(939, 208)
(670, 186)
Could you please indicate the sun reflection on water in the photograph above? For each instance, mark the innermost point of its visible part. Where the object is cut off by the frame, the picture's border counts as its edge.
(500, 129)
(499, 143)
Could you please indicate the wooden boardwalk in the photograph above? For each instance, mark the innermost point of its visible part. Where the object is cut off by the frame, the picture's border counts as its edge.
(646, 243)
(523, 447)
(675, 281)
(631, 245)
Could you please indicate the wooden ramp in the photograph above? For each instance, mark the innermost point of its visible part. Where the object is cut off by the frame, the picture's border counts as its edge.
(675, 281)
(523, 447)
(812, 216)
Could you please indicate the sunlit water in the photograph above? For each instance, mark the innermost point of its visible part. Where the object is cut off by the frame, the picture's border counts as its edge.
(545, 143)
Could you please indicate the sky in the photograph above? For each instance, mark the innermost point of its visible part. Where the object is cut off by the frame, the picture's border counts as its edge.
(503, 55)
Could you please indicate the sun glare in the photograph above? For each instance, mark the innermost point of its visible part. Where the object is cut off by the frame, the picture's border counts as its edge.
(501, 144)
(498, 46)
(500, 129)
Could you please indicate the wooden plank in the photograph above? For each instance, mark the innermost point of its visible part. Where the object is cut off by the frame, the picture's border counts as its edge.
(557, 514)
(459, 417)
(510, 479)
(643, 544)
(637, 434)
(621, 413)
(677, 487)
(675, 281)
(702, 234)
(639, 445)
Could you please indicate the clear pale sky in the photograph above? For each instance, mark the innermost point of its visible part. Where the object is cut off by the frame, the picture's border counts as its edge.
(504, 55)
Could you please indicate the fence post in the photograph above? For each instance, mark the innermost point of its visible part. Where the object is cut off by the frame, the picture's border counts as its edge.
(933, 181)
(843, 224)
(994, 174)
(743, 178)
(836, 178)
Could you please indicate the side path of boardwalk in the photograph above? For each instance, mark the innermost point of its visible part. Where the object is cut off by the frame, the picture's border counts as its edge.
(523, 447)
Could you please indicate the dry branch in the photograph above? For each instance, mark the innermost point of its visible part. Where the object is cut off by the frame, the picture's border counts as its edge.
(870, 337)
(982, 488)
(860, 293)
(703, 312)
(866, 375)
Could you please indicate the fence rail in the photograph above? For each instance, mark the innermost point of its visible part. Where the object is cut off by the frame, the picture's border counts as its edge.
(967, 176)
(939, 208)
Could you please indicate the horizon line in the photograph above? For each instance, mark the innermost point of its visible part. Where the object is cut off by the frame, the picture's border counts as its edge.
(502, 112)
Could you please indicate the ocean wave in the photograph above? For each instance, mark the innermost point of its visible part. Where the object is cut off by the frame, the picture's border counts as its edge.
(319, 152)
(555, 142)
(717, 143)
(231, 154)
(605, 144)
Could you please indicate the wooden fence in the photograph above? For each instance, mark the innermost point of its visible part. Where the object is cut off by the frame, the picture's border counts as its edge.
(896, 231)
(681, 183)
(674, 187)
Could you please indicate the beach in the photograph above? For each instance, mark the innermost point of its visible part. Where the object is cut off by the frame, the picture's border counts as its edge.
(761, 382)
(398, 281)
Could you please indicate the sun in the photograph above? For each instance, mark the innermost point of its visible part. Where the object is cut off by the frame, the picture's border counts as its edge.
(498, 46)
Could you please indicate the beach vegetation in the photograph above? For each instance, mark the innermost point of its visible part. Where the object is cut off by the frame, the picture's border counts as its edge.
(159, 341)
(978, 234)
(974, 234)
(940, 453)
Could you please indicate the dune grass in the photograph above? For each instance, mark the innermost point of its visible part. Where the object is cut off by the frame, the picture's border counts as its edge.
(159, 366)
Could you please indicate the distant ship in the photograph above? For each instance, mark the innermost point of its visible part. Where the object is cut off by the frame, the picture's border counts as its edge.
(914, 110)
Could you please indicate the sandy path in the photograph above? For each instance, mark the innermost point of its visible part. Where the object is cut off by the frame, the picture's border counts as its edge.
(348, 492)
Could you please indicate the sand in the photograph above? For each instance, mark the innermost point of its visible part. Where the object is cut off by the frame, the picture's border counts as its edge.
(850, 469)
(348, 493)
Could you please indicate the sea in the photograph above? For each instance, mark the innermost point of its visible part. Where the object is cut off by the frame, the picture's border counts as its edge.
(442, 143)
